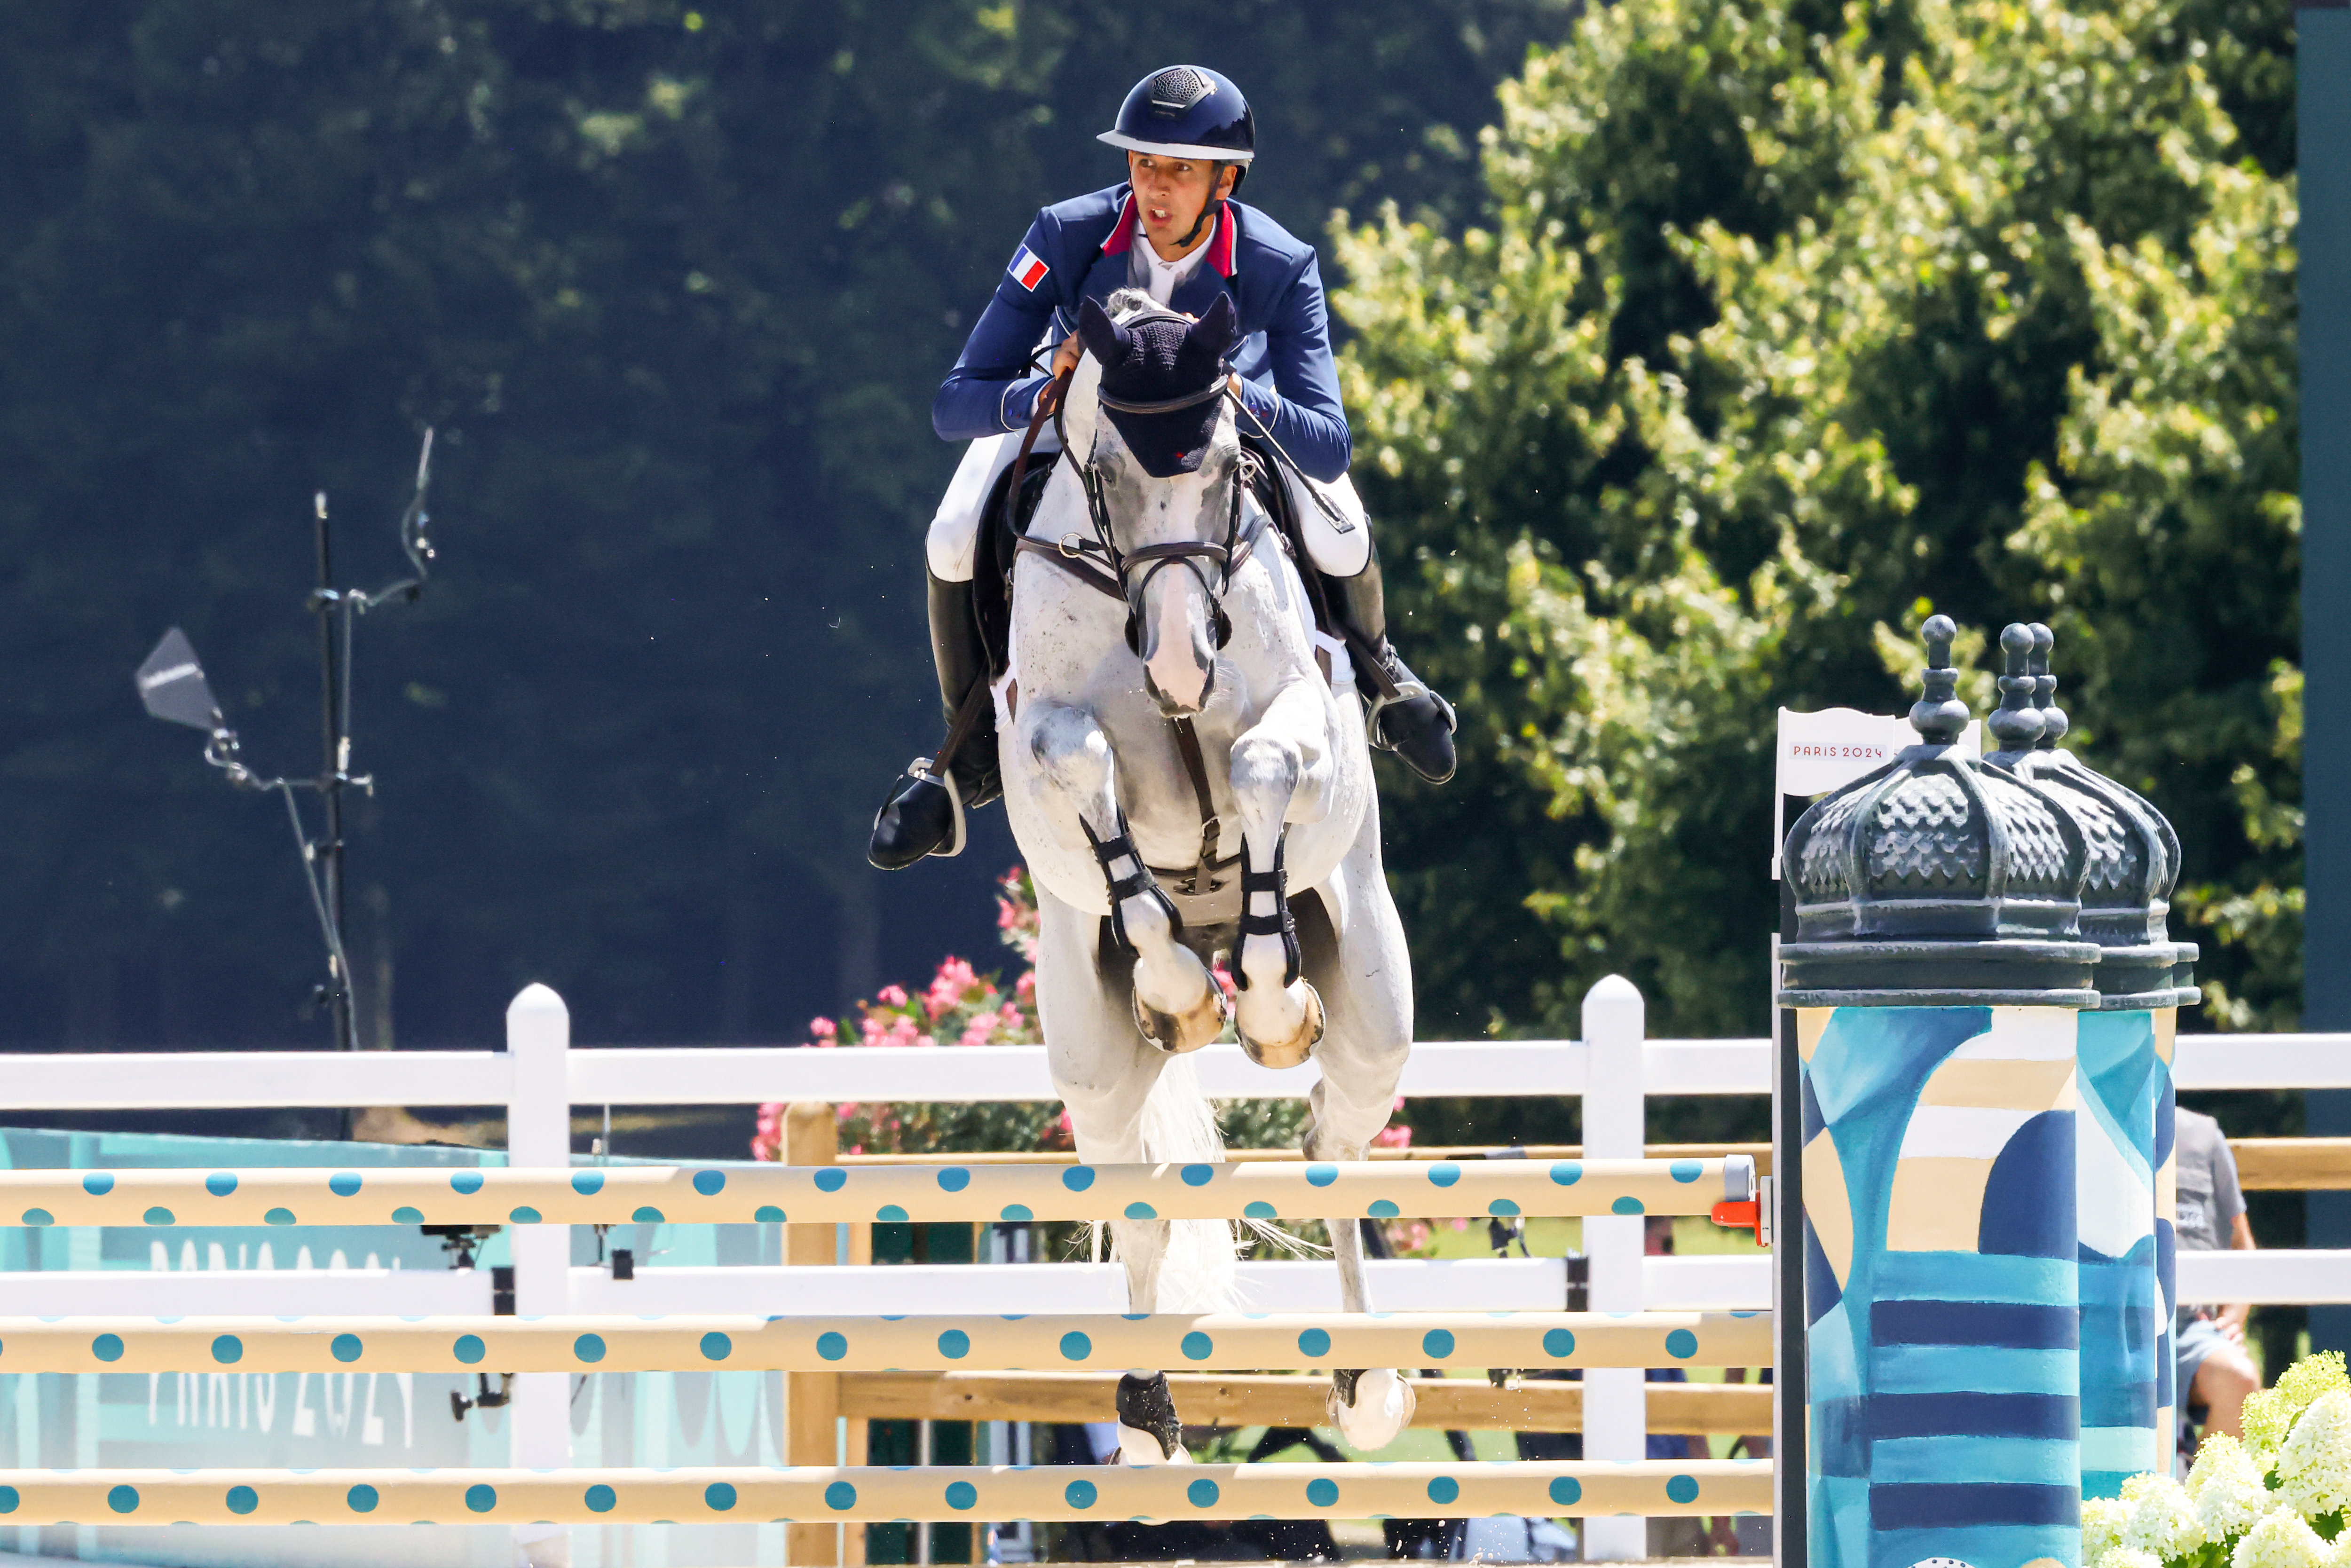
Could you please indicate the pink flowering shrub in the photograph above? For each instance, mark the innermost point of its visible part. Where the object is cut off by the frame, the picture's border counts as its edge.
(962, 1006)
(1408, 1238)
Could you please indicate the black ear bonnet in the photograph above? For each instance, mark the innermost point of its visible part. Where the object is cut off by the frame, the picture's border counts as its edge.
(1161, 380)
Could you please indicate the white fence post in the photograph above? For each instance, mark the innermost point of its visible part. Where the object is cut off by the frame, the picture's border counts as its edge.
(1615, 1399)
(539, 1134)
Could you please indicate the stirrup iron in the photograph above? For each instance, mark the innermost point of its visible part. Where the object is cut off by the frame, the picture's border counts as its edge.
(1410, 689)
(923, 770)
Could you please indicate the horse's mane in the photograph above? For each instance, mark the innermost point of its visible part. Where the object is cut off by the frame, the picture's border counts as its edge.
(1125, 302)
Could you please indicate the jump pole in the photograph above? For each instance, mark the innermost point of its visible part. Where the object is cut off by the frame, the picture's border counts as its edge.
(826, 1498)
(832, 1345)
(813, 1199)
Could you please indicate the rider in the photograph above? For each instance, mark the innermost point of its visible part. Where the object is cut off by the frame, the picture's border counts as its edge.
(1172, 230)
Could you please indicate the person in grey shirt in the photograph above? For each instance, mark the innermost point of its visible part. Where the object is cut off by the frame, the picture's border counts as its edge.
(2214, 1372)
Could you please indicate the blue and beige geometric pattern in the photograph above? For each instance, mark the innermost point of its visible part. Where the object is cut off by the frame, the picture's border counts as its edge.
(2167, 1216)
(1942, 1281)
(2122, 1079)
(715, 1496)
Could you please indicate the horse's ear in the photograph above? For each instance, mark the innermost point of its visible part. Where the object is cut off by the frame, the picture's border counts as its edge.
(1218, 329)
(1104, 338)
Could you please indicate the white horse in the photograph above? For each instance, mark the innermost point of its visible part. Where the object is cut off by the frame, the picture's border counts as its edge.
(1131, 622)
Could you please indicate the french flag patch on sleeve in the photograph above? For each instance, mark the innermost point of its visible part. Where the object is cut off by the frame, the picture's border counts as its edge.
(1026, 270)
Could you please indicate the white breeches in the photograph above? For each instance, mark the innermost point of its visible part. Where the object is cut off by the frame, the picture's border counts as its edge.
(1339, 547)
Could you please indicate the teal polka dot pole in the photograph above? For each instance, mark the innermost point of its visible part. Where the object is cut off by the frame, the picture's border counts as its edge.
(1207, 1342)
(824, 1194)
(848, 1495)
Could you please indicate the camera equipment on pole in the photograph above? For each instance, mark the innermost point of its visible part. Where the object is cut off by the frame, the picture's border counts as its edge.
(172, 687)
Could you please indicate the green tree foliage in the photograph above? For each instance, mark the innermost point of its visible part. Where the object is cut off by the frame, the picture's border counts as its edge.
(1784, 326)
(675, 283)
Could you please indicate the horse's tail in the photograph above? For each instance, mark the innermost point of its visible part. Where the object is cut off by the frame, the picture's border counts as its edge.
(1179, 1128)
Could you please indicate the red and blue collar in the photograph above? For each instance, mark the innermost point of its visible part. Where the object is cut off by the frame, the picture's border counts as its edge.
(1220, 243)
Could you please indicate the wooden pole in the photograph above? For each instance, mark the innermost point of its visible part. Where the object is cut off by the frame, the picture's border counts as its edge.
(813, 1399)
(1460, 1403)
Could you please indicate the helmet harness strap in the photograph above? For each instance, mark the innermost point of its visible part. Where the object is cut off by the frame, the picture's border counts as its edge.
(1214, 205)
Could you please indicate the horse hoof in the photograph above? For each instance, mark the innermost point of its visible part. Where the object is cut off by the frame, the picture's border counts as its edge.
(1371, 1409)
(1175, 1035)
(1298, 1047)
(1148, 1431)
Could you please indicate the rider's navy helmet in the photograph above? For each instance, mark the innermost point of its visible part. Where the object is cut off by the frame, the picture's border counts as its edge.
(1187, 111)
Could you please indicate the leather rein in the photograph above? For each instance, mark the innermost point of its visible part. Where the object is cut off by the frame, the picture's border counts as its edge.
(1101, 565)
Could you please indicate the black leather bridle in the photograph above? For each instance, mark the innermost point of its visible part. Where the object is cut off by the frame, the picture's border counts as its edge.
(1126, 575)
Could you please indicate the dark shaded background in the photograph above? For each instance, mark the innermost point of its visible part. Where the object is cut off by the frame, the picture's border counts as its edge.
(675, 288)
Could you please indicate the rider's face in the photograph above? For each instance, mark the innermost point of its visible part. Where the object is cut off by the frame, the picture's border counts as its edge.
(1171, 193)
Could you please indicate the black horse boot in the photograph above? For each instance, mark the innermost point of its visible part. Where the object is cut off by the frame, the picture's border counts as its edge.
(1407, 716)
(924, 814)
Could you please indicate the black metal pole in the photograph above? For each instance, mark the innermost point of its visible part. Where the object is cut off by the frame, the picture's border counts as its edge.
(326, 603)
(1791, 1401)
(2322, 75)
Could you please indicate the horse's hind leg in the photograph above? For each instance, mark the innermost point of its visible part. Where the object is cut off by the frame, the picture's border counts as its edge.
(1367, 979)
(1106, 1077)
(1178, 1005)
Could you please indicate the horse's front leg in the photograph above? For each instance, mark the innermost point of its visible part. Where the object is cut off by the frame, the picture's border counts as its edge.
(1368, 983)
(1178, 1005)
(1277, 774)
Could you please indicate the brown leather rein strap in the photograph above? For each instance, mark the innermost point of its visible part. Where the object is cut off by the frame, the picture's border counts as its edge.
(1046, 401)
(1070, 555)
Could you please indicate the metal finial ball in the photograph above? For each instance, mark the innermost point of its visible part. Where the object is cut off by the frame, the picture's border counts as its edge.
(2014, 724)
(2053, 722)
(1940, 718)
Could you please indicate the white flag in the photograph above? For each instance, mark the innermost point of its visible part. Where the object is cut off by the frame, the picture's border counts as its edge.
(1818, 752)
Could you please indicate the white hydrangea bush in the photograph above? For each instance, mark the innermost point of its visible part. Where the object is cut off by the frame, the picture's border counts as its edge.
(2281, 1539)
(2275, 1499)
(2227, 1488)
(2314, 1463)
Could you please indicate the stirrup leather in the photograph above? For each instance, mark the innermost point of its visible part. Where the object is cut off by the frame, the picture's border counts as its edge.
(1278, 923)
(1139, 884)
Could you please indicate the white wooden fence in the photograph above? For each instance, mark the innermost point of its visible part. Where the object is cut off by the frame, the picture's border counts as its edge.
(540, 1077)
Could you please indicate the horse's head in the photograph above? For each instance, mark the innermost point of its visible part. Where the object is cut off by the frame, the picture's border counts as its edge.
(1164, 460)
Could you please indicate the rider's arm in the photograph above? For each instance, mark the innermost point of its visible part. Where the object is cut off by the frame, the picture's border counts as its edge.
(1302, 406)
(991, 389)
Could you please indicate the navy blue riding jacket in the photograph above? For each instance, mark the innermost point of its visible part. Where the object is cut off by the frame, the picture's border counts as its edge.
(1078, 249)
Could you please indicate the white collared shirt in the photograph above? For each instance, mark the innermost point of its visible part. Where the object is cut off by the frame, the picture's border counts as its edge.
(1145, 270)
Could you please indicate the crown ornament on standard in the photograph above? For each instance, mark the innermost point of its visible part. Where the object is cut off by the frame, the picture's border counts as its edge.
(2133, 854)
(1939, 880)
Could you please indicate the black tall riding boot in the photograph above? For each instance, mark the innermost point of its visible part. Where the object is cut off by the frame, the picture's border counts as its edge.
(924, 813)
(1407, 716)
